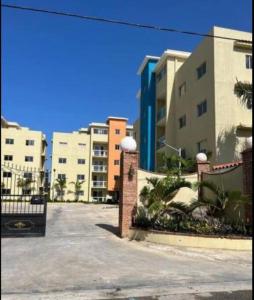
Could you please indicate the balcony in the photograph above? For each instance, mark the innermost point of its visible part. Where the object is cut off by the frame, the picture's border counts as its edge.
(99, 199)
(99, 184)
(160, 142)
(100, 168)
(100, 153)
(161, 114)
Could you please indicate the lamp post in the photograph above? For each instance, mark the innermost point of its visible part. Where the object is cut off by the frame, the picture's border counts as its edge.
(179, 151)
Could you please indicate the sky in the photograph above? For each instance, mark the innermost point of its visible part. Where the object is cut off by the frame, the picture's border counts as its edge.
(62, 73)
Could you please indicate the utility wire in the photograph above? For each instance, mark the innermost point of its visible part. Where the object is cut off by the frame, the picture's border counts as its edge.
(119, 22)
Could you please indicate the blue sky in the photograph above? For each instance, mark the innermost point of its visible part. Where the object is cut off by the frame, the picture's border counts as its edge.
(60, 73)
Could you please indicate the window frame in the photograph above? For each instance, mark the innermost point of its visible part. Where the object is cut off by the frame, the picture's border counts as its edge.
(62, 160)
(8, 155)
(184, 119)
(30, 143)
(29, 160)
(9, 139)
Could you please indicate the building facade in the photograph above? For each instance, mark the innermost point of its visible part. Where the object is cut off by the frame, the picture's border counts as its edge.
(196, 108)
(88, 161)
(24, 154)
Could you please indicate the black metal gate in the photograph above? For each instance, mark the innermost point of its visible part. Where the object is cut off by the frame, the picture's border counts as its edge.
(23, 201)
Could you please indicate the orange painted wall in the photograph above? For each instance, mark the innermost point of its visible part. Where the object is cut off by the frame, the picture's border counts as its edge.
(114, 154)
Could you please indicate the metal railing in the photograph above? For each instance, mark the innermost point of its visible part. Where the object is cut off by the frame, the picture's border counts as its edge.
(99, 168)
(100, 184)
(100, 153)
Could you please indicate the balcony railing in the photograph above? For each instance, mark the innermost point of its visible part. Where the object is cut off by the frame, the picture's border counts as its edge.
(161, 113)
(99, 168)
(99, 199)
(160, 142)
(99, 184)
(100, 153)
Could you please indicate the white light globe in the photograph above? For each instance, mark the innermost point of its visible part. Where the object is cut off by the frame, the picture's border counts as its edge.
(128, 144)
(201, 157)
(249, 142)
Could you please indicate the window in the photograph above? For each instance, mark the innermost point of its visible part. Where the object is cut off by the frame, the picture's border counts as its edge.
(116, 177)
(7, 174)
(28, 175)
(29, 158)
(26, 191)
(117, 147)
(248, 60)
(5, 191)
(202, 146)
(182, 121)
(116, 162)
(80, 177)
(62, 160)
(80, 193)
(117, 131)
(81, 144)
(202, 108)
(81, 161)
(29, 142)
(61, 176)
(9, 141)
(201, 70)
(128, 133)
(100, 131)
(8, 157)
(63, 143)
(182, 89)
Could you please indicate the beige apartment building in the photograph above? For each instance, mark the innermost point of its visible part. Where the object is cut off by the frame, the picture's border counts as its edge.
(23, 154)
(89, 158)
(196, 108)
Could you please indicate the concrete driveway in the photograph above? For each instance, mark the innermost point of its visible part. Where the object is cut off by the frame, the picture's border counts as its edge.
(82, 258)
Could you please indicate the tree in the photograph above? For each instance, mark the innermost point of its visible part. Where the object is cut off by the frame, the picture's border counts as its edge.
(60, 186)
(77, 189)
(217, 205)
(25, 184)
(243, 91)
(157, 197)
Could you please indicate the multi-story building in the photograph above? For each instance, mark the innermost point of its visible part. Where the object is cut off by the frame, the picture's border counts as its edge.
(194, 103)
(89, 158)
(23, 153)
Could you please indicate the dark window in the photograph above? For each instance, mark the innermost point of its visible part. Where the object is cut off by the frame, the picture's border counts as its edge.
(29, 142)
(81, 144)
(63, 143)
(81, 193)
(62, 160)
(116, 177)
(128, 133)
(202, 146)
(28, 175)
(8, 157)
(7, 174)
(182, 121)
(117, 131)
(81, 161)
(61, 176)
(100, 131)
(182, 89)
(201, 70)
(26, 191)
(5, 191)
(202, 108)
(248, 60)
(80, 177)
(116, 162)
(9, 141)
(117, 147)
(29, 158)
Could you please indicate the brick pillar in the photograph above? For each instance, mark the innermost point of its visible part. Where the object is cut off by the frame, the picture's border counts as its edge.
(202, 166)
(128, 191)
(247, 180)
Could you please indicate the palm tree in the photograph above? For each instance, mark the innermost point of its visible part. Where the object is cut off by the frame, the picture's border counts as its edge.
(217, 205)
(77, 188)
(243, 90)
(158, 198)
(60, 185)
(25, 184)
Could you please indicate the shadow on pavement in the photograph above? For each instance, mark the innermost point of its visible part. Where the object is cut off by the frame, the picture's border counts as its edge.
(110, 228)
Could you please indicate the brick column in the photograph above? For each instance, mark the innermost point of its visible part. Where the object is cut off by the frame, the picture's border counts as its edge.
(202, 166)
(128, 191)
(247, 181)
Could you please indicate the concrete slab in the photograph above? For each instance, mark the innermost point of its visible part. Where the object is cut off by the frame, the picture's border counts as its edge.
(82, 258)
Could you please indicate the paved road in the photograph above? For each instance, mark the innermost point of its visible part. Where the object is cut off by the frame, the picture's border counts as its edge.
(82, 258)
